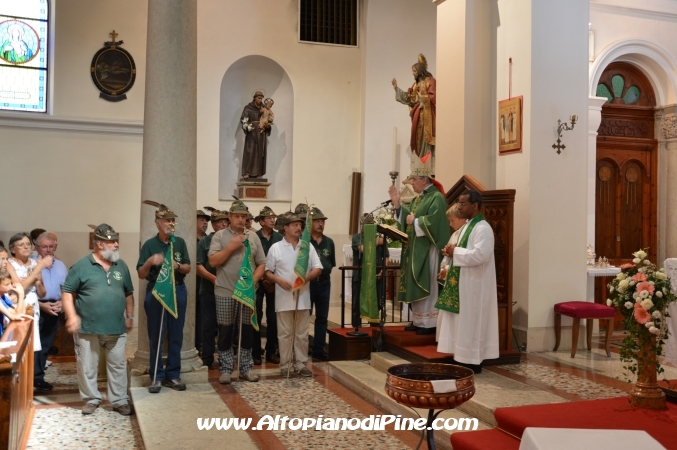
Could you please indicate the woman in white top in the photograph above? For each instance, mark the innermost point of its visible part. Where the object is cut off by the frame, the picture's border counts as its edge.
(456, 223)
(29, 273)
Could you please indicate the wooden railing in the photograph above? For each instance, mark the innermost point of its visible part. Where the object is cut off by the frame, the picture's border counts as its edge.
(16, 386)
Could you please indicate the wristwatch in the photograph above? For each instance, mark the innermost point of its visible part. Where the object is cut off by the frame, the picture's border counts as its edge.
(129, 318)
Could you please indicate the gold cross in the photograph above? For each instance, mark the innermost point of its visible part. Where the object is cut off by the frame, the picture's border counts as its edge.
(453, 281)
(112, 35)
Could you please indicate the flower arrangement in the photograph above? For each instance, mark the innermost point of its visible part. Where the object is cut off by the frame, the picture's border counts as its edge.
(386, 216)
(642, 294)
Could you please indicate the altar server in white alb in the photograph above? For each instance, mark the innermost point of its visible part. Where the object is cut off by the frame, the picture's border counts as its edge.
(468, 300)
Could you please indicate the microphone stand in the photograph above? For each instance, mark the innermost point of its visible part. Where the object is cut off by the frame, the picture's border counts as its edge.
(357, 332)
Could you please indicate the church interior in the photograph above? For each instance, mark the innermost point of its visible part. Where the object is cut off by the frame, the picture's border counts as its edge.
(562, 114)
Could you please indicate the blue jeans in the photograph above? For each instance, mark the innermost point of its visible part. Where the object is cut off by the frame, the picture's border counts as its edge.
(271, 323)
(174, 329)
(319, 299)
(49, 325)
(209, 327)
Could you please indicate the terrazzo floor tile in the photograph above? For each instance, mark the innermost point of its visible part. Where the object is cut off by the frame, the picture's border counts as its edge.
(308, 398)
(64, 376)
(568, 383)
(68, 428)
(597, 361)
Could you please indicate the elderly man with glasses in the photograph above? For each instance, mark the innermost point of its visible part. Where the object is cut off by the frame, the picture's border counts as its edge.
(53, 277)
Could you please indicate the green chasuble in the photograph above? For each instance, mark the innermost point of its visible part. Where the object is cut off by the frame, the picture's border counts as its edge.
(430, 209)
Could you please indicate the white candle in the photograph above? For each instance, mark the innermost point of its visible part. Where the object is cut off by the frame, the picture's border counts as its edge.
(394, 149)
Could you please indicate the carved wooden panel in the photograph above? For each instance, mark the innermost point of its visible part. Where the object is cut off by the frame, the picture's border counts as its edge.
(498, 210)
(625, 128)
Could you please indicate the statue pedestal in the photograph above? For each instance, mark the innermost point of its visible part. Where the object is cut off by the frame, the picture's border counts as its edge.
(253, 188)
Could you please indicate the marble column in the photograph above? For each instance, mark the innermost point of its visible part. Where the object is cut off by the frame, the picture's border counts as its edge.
(666, 134)
(169, 148)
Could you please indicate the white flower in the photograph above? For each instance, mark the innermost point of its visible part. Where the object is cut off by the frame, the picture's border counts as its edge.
(647, 262)
(621, 276)
(628, 305)
(632, 282)
(623, 284)
(660, 275)
(656, 314)
(641, 254)
(652, 283)
(611, 290)
(644, 294)
(647, 304)
(642, 270)
(637, 260)
(649, 324)
(665, 291)
(609, 302)
(658, 294)
(654, 330)
(635, 295)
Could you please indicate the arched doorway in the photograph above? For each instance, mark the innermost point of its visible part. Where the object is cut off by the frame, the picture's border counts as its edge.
(626, 204)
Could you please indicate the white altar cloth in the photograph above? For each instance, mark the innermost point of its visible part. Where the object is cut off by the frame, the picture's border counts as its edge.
(572, 438)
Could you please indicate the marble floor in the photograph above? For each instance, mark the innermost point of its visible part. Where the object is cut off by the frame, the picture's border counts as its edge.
(58, 422)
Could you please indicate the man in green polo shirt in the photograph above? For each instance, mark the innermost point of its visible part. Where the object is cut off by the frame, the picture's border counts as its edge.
(268, 236)
(207, 275)
(98, 299)
(150, 262)
(320, 288)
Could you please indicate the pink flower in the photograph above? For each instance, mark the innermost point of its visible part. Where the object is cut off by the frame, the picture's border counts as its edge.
(639, 276)
(627, 266)
(644, 286)
(641, 315)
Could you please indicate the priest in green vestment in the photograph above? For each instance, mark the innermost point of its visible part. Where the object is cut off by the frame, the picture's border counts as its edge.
(425, 223)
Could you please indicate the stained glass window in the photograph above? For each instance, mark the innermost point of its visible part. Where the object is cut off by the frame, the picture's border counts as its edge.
(24, 29)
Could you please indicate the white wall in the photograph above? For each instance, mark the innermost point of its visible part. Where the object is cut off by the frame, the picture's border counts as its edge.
(397, 31)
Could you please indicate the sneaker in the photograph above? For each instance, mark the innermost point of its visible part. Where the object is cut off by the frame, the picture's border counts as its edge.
(155, 387)
(89, 408)
(304, 372)
(175, 384)
(224, 378)
(249, 376)
(275, 359)
(283, 372)
(42, 386)
(124, 410)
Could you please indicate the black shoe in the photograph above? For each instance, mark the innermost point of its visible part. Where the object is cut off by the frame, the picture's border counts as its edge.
(321, 356)
(426, 330)
(257, 361)
(155, 387)
(411, 327)
(274, 358)
(175, 384)
(42, 386)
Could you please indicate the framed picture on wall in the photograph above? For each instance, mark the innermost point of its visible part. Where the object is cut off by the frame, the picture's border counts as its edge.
(510, 125)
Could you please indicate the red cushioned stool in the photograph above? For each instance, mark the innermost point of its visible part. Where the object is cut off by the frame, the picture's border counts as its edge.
(589, 312)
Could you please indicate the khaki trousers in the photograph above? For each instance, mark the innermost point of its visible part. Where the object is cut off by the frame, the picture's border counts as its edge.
(285, 327)
(87, 350)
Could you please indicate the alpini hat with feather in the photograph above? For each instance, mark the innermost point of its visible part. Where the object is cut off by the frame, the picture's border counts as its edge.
(162, 211)
(301, 210)
(216, 214)
(201, 213)
(104, 232)
(238, 207)
(266, 211)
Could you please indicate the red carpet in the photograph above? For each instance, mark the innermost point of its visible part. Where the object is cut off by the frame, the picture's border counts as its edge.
(613, 414)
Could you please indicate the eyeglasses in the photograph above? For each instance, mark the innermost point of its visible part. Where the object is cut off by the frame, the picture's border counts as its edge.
(47, 247)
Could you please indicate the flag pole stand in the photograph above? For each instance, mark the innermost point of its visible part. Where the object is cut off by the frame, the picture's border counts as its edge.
(293, 333)
(159, 340)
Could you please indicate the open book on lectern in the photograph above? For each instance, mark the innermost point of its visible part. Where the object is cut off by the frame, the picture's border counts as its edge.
(393, 233)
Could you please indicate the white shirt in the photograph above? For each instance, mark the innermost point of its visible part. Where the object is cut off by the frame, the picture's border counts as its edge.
(280, 261)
